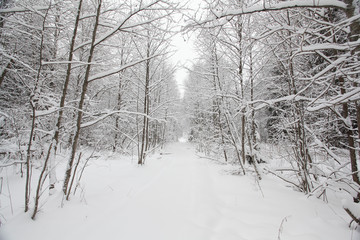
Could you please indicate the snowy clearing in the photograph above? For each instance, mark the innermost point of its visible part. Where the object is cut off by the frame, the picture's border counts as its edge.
(178, 195)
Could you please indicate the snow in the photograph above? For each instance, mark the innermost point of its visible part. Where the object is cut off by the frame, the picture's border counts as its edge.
(352, 95)
(261, 6)
(176, 196)
(334, 46)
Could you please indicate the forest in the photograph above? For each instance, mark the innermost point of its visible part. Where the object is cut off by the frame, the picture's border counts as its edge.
(273, 93)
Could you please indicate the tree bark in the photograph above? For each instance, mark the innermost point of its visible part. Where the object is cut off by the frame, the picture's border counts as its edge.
(145, 130)
(81, 102)
(217, 102)
(241, 82)
(351, 142)
(33, 117)
(4, 71)
(52, 168)
(40, 183)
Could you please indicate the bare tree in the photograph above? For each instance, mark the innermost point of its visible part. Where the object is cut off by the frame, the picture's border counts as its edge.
(81, 102)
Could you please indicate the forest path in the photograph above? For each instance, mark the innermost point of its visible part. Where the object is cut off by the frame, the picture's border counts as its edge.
(179, 196)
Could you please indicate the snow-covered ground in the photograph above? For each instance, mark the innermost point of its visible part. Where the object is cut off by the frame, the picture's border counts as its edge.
(177, 196)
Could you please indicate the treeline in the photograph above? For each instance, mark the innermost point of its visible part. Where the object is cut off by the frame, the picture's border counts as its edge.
(285, 73)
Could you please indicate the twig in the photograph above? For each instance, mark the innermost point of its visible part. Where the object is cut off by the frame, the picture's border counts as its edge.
(281, 226)
(82, 171)
(288, 181)
(354, 219)
(258, 183)
(73, 176)
(40, 182)
(212, 159)
(11, 163)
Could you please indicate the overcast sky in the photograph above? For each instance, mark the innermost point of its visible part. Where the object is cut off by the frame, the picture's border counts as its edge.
(184, 56)
(185, 51)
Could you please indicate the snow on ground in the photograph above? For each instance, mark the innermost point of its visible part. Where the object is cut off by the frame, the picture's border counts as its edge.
(178, 196)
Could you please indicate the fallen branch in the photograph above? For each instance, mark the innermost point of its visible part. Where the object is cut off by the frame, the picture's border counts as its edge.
(353, 210)
(281, 227)
(12, 163)
(354, 219)
(282, 178)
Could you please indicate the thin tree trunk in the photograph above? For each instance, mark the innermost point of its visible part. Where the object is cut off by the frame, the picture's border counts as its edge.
(3, 5)
(351, 142)
(81, 103)
(52, 168)
(147, 123)
(301, 151)
(33, 117)
(73, 176)
(254, 160)
(353, 36)
(28, 157)
(164, 129)
(40, 183)
(4, 71)
(240, 75)
(68, 75)
(357, 105)
(355, 25)
(233, 139)
(216, 78)
(252, 132)
(117, 118)
(118, 105)
(145, 131)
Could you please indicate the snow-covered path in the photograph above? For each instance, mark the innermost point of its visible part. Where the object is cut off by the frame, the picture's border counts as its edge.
(178, 196)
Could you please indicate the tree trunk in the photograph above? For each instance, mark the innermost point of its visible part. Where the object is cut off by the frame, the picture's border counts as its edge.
(28, 158)
(118, 104)
(355, 25)
(117, 118)
(81, 102)
(351, 142)
(3, 5)
(33, 96)
(241, 82)
(217, 102)
(4, 71)
(52, 165)
(145, 130)
(353, 36)
(40, 183)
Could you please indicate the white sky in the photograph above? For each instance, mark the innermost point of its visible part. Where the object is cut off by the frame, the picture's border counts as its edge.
(184, 57)
(185, 54)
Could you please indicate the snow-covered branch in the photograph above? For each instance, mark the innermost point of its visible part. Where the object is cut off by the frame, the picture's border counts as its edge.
(106, 115)
(23, 9)
(18, 61)
(352, 95)
(330, 46)
(117, 70)
(68, 62)
(119, 26)
(11, 163)
(265, 103)
(264, 6)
